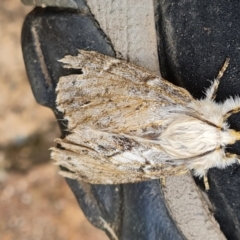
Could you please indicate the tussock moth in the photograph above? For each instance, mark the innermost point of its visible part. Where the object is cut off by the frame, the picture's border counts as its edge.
(128, 125)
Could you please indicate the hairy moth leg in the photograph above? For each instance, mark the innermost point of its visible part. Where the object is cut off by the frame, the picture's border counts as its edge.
(233, 156)
(178, 171)
(236, 109)
(212, 90)
(232, 106)
(163, 181)
(206, 183)
(230, 157)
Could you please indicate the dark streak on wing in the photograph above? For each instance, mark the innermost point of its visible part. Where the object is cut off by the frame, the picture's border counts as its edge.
(125, 143)
(196, 156)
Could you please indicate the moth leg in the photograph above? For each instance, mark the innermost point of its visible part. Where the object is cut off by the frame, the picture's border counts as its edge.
(182, 172)
(238, 158)
(233, 156)
(212, 90)
(206, 183)
(163, 181)
(230, 112)
(228, 157)
(176, 171)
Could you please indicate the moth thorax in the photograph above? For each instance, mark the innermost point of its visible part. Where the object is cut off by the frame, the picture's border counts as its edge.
(186, 137)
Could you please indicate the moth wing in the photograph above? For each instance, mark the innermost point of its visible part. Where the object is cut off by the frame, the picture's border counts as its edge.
(99, 157)
(114, 110)
(114, 94)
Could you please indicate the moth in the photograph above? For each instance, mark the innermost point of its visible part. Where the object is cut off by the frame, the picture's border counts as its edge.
(126, 124)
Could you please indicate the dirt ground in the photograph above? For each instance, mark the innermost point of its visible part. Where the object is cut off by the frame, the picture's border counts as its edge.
(35, 202)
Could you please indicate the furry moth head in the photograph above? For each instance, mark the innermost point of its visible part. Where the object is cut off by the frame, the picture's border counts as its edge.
(127, 125)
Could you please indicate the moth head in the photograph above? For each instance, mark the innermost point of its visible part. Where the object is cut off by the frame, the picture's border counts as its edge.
(215, 134)
(216, 156)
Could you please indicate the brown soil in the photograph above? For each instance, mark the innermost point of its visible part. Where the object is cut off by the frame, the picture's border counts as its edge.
(35, 202)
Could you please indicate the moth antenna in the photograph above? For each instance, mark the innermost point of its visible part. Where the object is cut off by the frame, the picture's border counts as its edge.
(211, 92)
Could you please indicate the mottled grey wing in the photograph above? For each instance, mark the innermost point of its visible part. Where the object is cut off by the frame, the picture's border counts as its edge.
(114, 109)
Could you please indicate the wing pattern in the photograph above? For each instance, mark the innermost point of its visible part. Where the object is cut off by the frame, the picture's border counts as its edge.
(116, 111)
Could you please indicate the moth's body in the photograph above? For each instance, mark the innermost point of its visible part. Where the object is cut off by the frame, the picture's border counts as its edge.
(128, 125)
